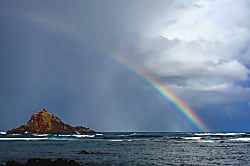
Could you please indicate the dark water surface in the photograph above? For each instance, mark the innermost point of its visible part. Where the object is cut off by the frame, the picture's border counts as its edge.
(131, 148)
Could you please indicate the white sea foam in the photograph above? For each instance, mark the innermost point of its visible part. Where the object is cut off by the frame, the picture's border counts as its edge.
(202, 134)
(22, 139)
(123, 135)
(2, 132)
(83, 136)
(40, 135)
(116, 140)
(206, 141)
(76, 135)
(62, 139)
(218, 134)
(64, 135)
(240, 139)
(98, 134)
(127, 135)
(192, 138)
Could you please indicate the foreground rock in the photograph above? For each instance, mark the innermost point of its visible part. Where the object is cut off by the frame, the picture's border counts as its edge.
(44, 162)
(86, 152)
(44, 122)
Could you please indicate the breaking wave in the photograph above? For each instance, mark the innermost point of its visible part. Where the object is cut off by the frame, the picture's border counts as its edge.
(126, 136)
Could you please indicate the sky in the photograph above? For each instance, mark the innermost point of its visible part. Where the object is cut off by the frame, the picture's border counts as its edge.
(60, 55)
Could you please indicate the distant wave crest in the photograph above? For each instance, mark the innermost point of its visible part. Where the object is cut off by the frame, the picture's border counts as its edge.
(133, 136)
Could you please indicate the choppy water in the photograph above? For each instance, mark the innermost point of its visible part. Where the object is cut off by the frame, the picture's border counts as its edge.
(131, 148)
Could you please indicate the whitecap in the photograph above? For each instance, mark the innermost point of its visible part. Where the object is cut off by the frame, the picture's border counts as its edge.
(192, 138)
(75, 135)
(202, 134)
(2, 132)
(98, 134)
(40, 135)
(228, 134)
(116, 140)
(83, 136)
(240, 139)
(22, 139)
(123, 135)
(62, 139)
(206, 141)
(15, 134)
(64, 135)
(218, 134)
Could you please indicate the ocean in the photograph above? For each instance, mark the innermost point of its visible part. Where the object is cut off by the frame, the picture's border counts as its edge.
(135, 148)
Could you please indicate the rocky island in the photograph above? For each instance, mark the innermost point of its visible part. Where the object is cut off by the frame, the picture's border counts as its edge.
(44, 122)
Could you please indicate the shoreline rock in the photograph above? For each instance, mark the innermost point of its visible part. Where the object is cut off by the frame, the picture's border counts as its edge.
(44, 122)
(84, 152)
(44, 162)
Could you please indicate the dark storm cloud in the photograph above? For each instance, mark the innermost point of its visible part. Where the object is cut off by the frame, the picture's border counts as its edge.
(42, 67)
(53, 55)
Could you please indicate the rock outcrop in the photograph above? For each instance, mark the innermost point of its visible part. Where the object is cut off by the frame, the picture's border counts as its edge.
(44, 122)
(44, 162)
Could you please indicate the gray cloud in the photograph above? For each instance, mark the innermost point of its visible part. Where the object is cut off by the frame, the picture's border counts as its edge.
(52, 55)
(199, 45)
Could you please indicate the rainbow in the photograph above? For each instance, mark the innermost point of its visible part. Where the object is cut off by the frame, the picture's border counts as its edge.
(165, 92)
(148, 78)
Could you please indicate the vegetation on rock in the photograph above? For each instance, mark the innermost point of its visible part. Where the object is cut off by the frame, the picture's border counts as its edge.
(44, 122)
